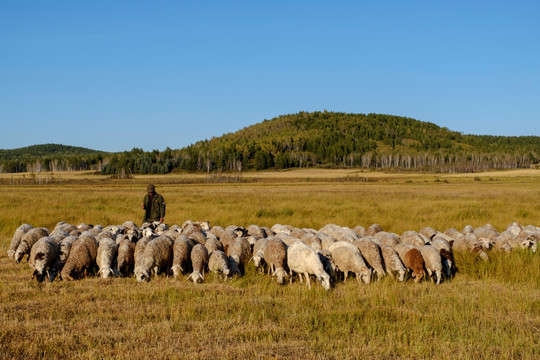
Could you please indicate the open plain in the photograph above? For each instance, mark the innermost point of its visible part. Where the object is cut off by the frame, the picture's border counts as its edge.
(489, 310)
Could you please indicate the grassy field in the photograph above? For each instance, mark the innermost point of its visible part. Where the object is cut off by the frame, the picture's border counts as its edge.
(490, 310)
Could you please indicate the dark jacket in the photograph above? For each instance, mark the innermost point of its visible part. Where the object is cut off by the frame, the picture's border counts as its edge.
(154, 207)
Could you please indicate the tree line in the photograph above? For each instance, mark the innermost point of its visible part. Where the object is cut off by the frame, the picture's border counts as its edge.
(316, 139)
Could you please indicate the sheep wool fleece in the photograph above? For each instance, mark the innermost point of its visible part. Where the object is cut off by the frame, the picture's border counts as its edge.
(154, 207)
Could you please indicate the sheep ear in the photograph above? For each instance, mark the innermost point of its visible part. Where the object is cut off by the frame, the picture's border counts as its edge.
(40, 256)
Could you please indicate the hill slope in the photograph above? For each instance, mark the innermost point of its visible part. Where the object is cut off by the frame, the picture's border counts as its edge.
(373, 140)
(45, 150)
(47, 157)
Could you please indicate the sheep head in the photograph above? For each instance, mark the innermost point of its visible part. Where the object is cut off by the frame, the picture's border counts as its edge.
(365, 275)
(281, 275)
(176, 269)
(106, 272)
(196, 277)
(418, 275)
(18, 256)
(256, 260)
(142, 275)
(402, 273)
(324, 279)
(40, 277)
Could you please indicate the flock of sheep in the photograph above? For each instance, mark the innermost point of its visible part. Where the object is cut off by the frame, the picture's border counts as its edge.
(329, 254)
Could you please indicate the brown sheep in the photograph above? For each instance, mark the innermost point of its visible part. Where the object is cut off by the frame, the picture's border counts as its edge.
(415, 262)
(275, 255)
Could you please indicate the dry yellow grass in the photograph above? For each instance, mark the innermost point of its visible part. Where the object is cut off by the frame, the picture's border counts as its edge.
(488, 311)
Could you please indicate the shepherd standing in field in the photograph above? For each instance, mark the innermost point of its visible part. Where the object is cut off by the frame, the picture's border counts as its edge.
(153, 205)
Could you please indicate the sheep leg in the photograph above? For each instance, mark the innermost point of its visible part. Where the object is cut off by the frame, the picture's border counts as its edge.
(307, 280)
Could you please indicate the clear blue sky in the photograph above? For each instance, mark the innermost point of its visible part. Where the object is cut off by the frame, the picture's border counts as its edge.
(113, 75)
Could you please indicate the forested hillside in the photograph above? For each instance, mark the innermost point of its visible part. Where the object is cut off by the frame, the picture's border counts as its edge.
(317, 139)
(50, 157)
(370, 141)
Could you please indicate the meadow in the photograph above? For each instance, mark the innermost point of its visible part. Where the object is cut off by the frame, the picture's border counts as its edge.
(489, 310)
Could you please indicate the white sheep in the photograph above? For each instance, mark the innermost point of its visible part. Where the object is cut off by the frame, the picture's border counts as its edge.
(386, 238)
(392, 261)
(125, 259)
(413, 238)
(16, 240)
(199, 261)
(106, 258)
(348, 260)
(470, 243)
(432, 261)
(42, 257)
(239, 255)
(447, 257)
(182, 255)
(28, 240)
(257, 231)
(61, 256)
(157, 257)
(212, 244)
(302, 259)
(258, 253)
(372, 255)
(219, 263)
(313, 241)
(139, 252)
